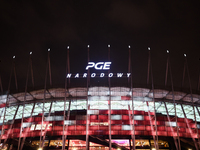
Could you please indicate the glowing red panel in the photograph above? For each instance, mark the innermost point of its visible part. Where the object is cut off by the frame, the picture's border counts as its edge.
(125, 98)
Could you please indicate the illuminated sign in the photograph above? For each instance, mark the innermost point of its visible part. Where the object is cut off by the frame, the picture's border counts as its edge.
(99, 65)
(101, 75)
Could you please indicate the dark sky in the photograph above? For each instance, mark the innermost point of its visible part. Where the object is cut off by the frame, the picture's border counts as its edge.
(38, 25)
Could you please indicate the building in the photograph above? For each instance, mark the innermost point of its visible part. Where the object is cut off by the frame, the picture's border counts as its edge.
(100, 117)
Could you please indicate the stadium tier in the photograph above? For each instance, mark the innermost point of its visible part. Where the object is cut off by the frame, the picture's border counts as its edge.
(130, 109)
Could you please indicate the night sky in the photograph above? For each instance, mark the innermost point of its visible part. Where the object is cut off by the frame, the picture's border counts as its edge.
(38, 25)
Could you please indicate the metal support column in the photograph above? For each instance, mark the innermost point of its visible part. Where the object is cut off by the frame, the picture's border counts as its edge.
(19, 142)
(150, 72)
(109, 104)
(64, 113)
(87, 105)
(7, 98)
(131, 90)
(172, 86)
(48, 67)
(192, 100)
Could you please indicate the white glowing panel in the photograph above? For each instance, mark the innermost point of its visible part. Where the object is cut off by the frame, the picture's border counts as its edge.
(70, 122)
(98, 98)
(96, 112)
(173, 124)
(116, 117)
(126, 127)
(138, 117)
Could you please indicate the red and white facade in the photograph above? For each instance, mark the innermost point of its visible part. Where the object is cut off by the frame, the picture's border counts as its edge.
(38, 122)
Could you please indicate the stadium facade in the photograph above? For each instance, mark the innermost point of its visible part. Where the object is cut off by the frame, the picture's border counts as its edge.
(101, 117)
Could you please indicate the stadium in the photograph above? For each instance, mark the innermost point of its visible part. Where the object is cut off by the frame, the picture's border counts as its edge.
(96, 117)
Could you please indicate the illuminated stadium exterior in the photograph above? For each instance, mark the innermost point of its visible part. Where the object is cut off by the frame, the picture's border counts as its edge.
(100, 117)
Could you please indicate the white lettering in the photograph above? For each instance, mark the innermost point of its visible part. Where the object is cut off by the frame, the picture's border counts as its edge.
(100, 65)
(110, 75)
(84, 75)
(93, 75)
(119, 75)
(102, 75)
(77, 75)
(90, 65)
(128, 75)
(69, 75)
(106, 65)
